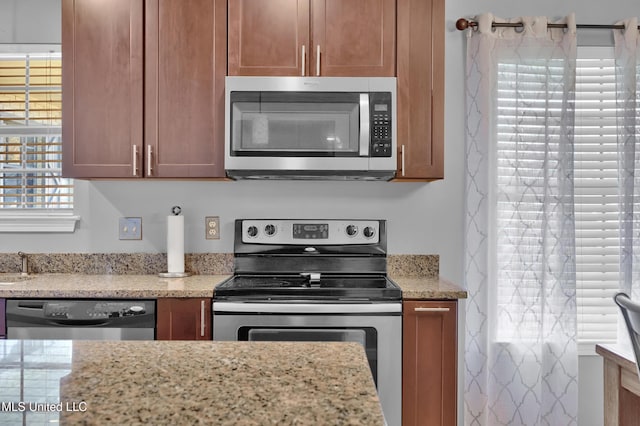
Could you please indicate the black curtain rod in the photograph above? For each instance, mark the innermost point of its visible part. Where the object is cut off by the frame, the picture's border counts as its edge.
(462, 24)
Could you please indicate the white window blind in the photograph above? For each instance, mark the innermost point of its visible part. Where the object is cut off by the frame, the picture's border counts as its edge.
(30, 134)
(596, 197)
(528, 105)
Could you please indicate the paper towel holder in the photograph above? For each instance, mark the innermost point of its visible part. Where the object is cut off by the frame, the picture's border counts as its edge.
(174, 274)
(175, 211)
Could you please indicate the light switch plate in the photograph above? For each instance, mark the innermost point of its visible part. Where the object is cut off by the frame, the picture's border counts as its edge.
(130, 228)
(212, 228)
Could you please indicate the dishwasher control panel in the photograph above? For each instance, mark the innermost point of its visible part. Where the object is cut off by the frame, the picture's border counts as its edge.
(93, 310)
(79, 310)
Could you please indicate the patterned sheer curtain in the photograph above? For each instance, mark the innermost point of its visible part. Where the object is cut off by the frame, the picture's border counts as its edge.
(627, 52)
(521, 363)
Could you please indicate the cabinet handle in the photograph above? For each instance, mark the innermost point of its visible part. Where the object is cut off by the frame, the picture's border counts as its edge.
(149, 163)
(304, 59)
(431, 309)
(318, 61)
(135, 160)
(202, 324)
(402, 151)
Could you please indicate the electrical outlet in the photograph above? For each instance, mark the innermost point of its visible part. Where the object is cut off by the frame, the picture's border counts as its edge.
(212, 228)
(130, 228)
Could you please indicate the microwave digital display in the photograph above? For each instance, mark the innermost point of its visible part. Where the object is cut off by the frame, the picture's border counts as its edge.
(310, 231)
(380, 107)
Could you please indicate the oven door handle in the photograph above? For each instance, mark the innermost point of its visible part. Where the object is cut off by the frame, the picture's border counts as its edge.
(306, 308)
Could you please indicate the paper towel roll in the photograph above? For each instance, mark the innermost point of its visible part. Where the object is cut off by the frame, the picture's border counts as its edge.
(175, 244)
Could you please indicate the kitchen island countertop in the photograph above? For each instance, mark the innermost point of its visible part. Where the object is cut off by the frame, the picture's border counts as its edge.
(153, 286)
(179, 382)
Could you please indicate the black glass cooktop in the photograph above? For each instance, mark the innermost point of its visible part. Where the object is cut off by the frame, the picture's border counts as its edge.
(297, 287)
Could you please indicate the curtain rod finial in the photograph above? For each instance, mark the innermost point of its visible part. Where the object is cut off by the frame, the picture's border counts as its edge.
(462, 24)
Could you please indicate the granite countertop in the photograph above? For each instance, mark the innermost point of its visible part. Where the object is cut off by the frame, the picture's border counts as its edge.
(173, 382)
(428, 287)
(152, 286)
(107, 286)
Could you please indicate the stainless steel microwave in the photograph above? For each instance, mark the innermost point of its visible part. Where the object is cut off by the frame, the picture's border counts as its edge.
(310, 128)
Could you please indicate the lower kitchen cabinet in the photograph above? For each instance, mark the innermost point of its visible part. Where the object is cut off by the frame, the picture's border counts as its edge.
(3, 319)
(183, 319)
(429, 364)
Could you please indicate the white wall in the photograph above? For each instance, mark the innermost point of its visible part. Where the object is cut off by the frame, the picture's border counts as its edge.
(423, 218)
(30, 21)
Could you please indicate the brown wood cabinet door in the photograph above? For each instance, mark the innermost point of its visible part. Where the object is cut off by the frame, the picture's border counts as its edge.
(355, 38)
(429, 363)
(183, 319)
(3, 316)
(420, 73)
(185, 66)
(268, 37)
(102, 72)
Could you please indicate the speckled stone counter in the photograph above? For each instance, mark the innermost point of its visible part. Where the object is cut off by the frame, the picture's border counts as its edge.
(222, 383)
(152, 286)
(426, 288)
(107, 286)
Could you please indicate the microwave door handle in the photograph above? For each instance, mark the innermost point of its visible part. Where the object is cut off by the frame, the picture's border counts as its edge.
(365, 125)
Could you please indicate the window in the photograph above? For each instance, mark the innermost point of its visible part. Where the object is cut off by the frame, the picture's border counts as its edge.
(596, 197)
(31, 373)
(527, 105)
(31, 186)
(595, 193)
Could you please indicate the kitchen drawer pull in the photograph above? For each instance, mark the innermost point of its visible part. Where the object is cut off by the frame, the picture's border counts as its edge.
(318, 61)
(431, 309)
(402, 160)
(135, 160)
(149, 158)
(202, 323)
(304, 59)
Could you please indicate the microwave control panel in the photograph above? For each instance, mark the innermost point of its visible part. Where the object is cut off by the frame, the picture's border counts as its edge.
(380, 105)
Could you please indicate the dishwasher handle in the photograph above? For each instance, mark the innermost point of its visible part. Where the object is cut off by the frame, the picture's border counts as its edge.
(79, 323)
(28, 304)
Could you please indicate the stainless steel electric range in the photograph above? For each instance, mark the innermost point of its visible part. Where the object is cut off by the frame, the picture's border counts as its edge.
(316, 280)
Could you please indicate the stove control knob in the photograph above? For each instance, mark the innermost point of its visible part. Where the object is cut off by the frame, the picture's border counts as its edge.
(369, 231)
(352, 230)
(270, 230)
(252, 231)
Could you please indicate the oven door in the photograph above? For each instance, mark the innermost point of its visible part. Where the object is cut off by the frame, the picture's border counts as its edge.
(380, 334)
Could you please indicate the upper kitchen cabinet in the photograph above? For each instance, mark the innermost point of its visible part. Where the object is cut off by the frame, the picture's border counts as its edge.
(102, 87)
(312, 37)
(185, 66)
(420, 73)
(180, 50)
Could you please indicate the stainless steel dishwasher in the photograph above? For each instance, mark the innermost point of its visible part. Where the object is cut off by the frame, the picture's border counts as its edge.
(88, 319)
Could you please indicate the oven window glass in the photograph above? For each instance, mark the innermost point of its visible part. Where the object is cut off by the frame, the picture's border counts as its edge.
(295, 124)
(366, 336)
